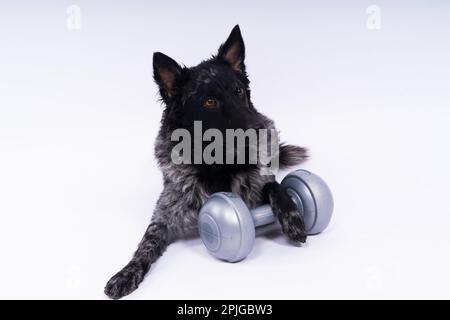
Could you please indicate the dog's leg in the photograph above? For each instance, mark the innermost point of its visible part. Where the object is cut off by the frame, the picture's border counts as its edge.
(284, 208)
(175, 216)
(151, 247)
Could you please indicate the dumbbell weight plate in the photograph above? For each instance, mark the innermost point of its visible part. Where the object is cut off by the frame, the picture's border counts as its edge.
(227, 234)
(313, 197)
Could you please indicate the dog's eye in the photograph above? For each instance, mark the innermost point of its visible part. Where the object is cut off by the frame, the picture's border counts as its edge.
(240, 91)
(210, 103)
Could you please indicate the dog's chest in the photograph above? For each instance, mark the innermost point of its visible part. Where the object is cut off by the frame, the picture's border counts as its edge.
(246, 185)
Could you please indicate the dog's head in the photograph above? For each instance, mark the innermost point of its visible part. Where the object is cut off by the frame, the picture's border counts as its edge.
(215, 92)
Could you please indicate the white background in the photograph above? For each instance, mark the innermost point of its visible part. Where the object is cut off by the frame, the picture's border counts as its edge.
(79, 115)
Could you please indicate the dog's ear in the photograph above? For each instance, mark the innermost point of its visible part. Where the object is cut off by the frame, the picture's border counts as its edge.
(233, 50)
(167, 74)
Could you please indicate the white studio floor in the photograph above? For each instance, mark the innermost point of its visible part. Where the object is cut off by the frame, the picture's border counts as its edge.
(79, 115)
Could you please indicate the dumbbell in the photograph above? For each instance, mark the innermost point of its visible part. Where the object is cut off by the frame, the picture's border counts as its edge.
(227, 226)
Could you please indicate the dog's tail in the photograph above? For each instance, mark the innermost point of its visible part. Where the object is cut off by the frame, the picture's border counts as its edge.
(291, 155)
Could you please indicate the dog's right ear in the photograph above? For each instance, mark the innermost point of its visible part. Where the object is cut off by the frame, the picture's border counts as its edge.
(167, 74)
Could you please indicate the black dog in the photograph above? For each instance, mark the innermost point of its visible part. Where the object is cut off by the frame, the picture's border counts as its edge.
(217, 93)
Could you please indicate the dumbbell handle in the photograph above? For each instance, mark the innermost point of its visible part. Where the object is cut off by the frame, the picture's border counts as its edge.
(262, 215)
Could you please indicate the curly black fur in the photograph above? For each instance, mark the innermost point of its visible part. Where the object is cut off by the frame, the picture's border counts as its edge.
(187, 186)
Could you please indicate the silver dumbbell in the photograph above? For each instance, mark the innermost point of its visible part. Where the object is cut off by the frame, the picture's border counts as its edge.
(227, 226)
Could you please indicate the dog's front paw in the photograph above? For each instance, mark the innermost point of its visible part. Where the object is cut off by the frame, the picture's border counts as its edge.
(123, 283)
(285, 209)
(293, 226)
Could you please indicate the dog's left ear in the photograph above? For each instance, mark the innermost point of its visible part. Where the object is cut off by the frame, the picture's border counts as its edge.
(233, 50)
